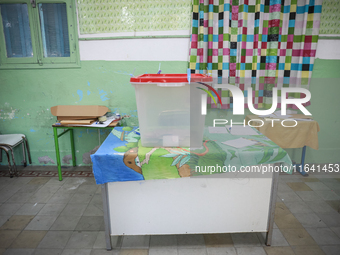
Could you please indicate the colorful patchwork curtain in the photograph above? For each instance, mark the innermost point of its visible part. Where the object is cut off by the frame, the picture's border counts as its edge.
(257, 43)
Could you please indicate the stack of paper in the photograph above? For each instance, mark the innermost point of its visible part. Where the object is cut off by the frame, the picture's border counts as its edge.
(240, 142)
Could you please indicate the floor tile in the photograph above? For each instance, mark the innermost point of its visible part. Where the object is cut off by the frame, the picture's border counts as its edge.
(331, 219)
(28, 239)
(47, 252)
(65, 222)
(9, 209)
(320, 206)
(93, 210)
(310, 179)
(81, 198)
(55, 240)
(335, 204)
(250, 250)
(133, 252)
(288, 196)
(82, 240)
(88, 223)
(104, 252)
(192, 251)
(279, 250)
(74, 209)
(282, 187)
(136, 242)
(245, 239)
(68, 189)
(22, 180)
(40, 197)
(277, 238)
(7, 237)
(4, 219)
(281, 209)
(327, 194)
(163, 251)
(308, 195)
(307, 250)
(317, 186)
(336, 230)
(29, 209)
(76, 252)
(19, 252)
(97, 200)
(310, 220)
(77, 181)
(290, 178)
(331, 250)
(60, 198)
(41, 222)
(190, 241)
(49, 188)
(87, 189)
(17, 222)
(298, 207)
(332, 184)
(218, 240)
(298, 186)
(163, 241)
(30, 188)
(324, 236)
(100, 242)
(52, 209)
(19, 197)
(55, 181)
(39, 180)
(298, 237)
(221, 251)
(287, 221)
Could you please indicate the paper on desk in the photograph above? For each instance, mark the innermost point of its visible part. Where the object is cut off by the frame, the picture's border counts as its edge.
(303, 119)
(240, 142)
(241, 130)
(217, 130)
(97, 124)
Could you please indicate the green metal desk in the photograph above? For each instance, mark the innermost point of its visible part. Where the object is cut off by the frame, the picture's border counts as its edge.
(70, 129)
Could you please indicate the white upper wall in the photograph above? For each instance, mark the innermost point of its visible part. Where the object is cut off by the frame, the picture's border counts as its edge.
(328, 49)
(166, 49)
(152, 49)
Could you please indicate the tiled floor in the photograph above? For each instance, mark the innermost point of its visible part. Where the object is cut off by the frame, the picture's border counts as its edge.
(41, 215)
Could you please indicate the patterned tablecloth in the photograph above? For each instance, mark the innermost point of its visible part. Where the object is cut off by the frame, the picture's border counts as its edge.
(121, 157)
(305, 133)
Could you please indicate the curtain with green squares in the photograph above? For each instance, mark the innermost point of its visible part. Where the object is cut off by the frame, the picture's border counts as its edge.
(257, 43)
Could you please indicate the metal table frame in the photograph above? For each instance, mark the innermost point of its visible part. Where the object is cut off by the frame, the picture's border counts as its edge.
(270, 224)
(70, 129)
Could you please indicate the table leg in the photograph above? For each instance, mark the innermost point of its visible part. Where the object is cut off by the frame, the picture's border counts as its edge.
(300, 167)
(72, 148)
(56, 144)
(106, 212)
(272, 205)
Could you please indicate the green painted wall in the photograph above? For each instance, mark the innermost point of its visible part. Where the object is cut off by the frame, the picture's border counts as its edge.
(26, 97)
(325, 108)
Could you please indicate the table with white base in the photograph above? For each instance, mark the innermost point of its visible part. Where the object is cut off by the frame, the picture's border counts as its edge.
(230, 202)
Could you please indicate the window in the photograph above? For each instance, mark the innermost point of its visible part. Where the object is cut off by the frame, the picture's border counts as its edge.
(38, 34)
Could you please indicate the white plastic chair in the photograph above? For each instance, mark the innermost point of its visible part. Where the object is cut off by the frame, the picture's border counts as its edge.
(7, 143)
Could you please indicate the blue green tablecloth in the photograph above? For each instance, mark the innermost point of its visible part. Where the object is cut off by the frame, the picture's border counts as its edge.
(121, 157)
